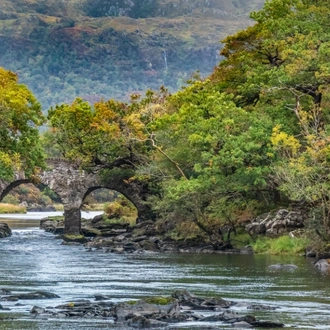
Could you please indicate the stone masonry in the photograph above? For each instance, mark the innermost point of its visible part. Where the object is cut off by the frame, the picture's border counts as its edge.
(72, 185)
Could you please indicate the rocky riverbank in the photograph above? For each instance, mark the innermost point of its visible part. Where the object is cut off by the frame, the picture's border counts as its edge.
(120, 237)
(151, 312)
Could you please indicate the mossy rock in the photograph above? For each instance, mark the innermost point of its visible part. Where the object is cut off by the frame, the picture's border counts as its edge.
(90, 231)
(74, 238)
(159, 300)
(162, 301)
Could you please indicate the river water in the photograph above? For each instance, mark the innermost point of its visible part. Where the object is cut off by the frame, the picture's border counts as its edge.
(33, 260)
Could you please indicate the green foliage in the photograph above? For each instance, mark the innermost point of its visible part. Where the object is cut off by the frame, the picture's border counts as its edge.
(10, 208)
(32, 195)
(214, 158)
(20, 116)
(119, 211)
(10, 199)
(96, 135)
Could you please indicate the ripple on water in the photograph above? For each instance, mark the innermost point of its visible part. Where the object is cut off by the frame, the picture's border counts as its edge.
(34, 260)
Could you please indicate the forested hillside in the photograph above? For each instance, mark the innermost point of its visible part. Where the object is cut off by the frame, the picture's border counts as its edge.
(110, 49)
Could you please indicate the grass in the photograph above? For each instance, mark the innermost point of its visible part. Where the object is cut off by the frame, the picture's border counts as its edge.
(281, 245)
(94, 207)
(124, 219)
(59, 207)
(10, 208)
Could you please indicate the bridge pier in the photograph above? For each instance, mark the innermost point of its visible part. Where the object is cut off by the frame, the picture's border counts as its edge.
(72, 221)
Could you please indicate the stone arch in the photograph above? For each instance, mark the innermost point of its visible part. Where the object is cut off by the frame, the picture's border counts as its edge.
(6, 189)
(10, 186)
(140, 207)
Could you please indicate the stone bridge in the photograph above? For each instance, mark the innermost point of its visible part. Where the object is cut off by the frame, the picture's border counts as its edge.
(73, 185)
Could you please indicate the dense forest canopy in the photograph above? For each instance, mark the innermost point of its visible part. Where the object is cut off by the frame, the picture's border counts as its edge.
(251, 137)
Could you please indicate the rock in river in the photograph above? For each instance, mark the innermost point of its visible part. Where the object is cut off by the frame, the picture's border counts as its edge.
(156, 312)
(30, 295)
(285, 267)
(323, 264)
(5, 231)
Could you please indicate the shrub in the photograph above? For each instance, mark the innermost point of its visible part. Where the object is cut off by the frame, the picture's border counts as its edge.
(281, 245)
(9, 208)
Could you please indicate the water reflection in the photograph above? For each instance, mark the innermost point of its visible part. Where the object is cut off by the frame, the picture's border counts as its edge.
(21, 224)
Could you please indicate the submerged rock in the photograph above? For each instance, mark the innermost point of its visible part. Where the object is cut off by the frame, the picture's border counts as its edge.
(285, 267)
(259, 307)
(30, 295)
(323, 264)
(5, 231)
(267, 324)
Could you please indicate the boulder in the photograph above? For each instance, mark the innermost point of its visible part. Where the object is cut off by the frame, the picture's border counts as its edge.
(37, 310)
(186, 298)
(259, 307)
(150, 308)
(153, 312)
(31, 295)
(242, 324)
(97, 218)
(53, 225)
(275, 224)
(5, 231)
(90, 231)
(323, 264)
(81, 239)
(267, 324)
(140, 322)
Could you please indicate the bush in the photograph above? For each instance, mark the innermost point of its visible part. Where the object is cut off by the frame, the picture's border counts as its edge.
(9, 208)
(121, 210)
(11, 199)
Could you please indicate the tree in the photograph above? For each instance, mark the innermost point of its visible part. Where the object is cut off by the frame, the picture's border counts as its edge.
(280, 67)
(106, 134)
(281, 62)
(213, 158)
(20, 116)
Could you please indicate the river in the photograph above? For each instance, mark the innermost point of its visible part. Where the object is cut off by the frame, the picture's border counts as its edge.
(33, 260)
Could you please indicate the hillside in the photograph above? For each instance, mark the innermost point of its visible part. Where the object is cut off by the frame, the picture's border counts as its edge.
(110, 48)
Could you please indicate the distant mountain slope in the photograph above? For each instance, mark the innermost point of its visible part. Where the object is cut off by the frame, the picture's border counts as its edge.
(110, 48)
